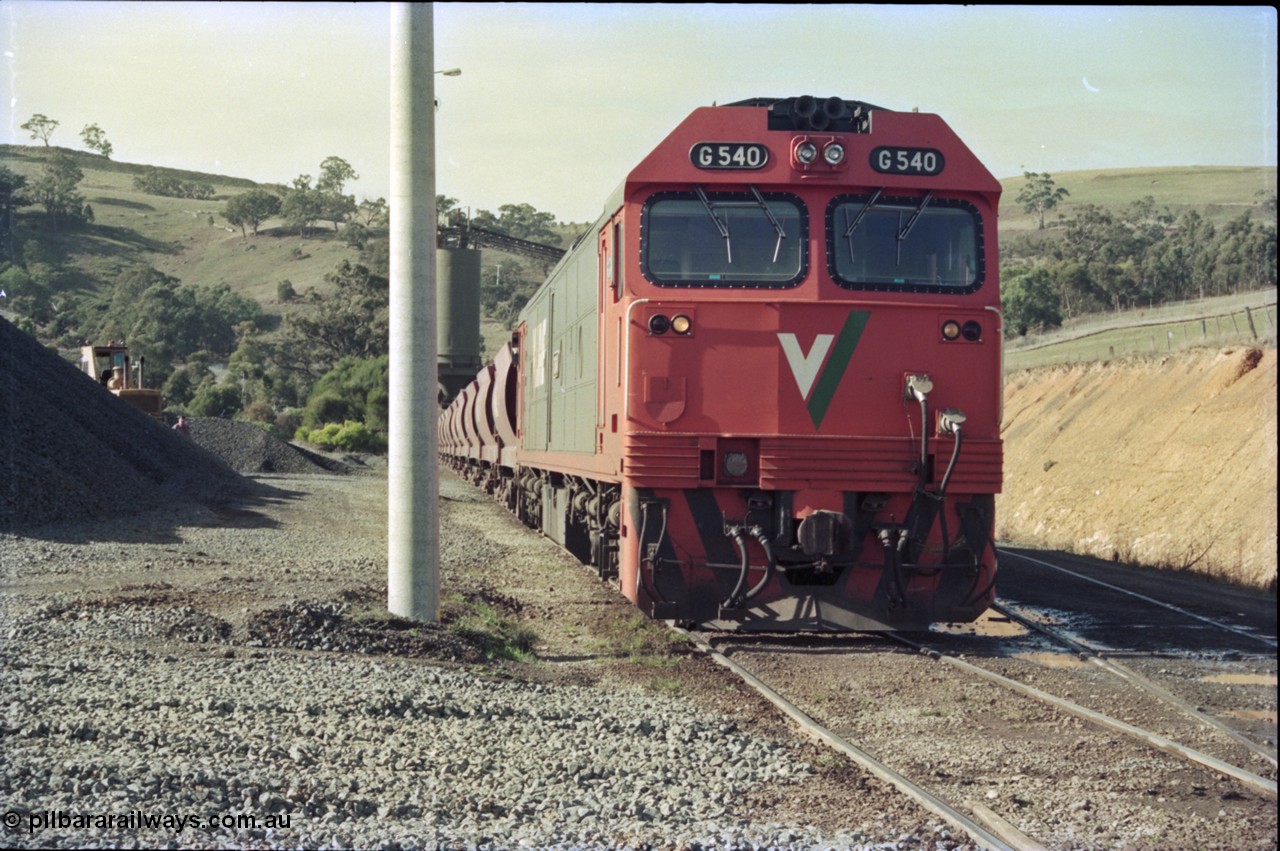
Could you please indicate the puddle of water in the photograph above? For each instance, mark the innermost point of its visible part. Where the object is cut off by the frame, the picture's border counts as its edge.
(1052, 660)
(1252, 714)
(1242, 679)
(990, 624)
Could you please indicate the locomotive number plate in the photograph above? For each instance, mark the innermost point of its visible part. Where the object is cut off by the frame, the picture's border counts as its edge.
(926, 161)
(729, 155)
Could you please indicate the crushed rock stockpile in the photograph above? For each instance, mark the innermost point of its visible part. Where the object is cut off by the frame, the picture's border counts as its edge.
(248, 449)
(1166, 462)
(72, 451)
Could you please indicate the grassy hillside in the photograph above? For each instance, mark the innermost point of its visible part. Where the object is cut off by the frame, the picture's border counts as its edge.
(1218, 193)
(189, 239)
(185, 238)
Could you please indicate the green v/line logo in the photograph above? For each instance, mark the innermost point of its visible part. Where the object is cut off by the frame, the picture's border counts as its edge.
(832, 350)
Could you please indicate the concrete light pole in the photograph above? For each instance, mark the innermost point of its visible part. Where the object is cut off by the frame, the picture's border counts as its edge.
(413, 549)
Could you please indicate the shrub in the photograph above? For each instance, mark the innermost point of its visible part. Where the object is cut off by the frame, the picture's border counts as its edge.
(259, 412)
(184, 382)
(355, 389)
(215, 400)
(288, 421)
(325, 408)
(349, 437)
(377, 409)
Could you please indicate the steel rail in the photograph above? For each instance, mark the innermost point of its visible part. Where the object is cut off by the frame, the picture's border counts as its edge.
(1097, 657)
(1270, 642)
(1248, 778)
(1001, 835)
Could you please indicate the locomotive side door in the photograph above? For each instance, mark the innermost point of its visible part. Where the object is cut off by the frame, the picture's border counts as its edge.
(611, 260)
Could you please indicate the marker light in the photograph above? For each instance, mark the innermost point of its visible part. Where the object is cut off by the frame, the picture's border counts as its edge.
(972, 331)
(950, 329)
(658, 324)
(833, 153)
(681, 324)
(806, 152)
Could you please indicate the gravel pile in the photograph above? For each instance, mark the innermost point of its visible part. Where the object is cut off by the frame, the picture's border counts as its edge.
(72, 451)
(248, 449)
(321, 625)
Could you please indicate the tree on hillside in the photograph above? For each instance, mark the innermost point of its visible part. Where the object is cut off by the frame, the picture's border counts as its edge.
(167, 322)
(251, 209)
(1095, 235)
(184, 381)
(505, 293)
(41, 127)
(12, 197)
(153, 181)
(352, 322)
(374, 212)
(303, 205)
(55, 189)
(334, 173)
(1040, 195)
(334, 206)
(1245, 256)
(519, 220)
(447, 209)
(1029, 300)
(355, 235)
(95, 140)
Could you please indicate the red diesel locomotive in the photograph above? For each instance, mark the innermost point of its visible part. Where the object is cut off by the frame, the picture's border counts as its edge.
(763, 391)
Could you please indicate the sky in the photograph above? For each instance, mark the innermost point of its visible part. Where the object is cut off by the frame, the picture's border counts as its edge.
(557, 101)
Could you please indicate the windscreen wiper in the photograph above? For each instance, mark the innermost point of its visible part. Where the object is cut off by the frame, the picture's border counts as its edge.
(720, 226)
(911, 222)
(857, 220)
(777, 225)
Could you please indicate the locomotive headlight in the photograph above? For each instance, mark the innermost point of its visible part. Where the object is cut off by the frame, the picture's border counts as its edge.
(735, 464)
(833, 153)
(658, 324)
(950, 329)
(806, 152)
(681, 324)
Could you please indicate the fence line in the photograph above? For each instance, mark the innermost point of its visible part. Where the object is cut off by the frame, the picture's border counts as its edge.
(1247, 326)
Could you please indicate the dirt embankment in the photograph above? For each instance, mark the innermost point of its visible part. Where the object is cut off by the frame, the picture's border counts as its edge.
(1168, 462)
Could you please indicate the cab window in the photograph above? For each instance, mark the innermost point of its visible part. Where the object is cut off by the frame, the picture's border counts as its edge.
(724, 239)
(906, 244)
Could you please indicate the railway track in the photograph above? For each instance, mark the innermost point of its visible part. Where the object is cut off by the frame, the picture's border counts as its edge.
(1064, 743)
(997, 834)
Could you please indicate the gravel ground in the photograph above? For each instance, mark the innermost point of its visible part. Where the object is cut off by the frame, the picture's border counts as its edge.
(224, 676)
